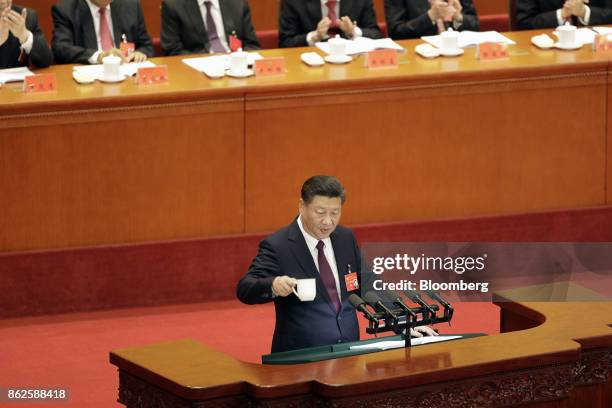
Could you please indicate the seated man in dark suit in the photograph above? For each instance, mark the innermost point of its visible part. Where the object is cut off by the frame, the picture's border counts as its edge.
(312, 246)
(21, 39)
(306, 22)
(86, 31)
(205, 26)
(531, 14)
(416, 18)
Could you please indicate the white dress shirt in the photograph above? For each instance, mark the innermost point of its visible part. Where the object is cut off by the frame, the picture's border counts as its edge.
(215, 10)
(27, 45)
(583, 21)
(328, 250)
(324, 12)
(95, 13)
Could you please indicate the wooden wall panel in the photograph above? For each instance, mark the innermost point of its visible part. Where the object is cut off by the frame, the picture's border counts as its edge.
(120, 181)
(422, 154)
(264, 12)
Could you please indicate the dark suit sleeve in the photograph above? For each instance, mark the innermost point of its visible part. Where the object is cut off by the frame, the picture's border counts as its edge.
(601, 15)
(470, 17)
(256, 286)
(250, 41)
(400, 24)
(289, 24)
(40, 55)
(529, 16)
(367, 21)
(170, 31)
(143, 39)
(62, 43)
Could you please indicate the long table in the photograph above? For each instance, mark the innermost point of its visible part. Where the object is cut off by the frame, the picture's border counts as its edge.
(115, 163)
(549, 355)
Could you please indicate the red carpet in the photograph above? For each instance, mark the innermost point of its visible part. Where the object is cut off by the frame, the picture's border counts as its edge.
(72, 350)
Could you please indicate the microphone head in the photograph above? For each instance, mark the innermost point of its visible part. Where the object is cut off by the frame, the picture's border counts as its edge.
(372, 298)
(355, 300)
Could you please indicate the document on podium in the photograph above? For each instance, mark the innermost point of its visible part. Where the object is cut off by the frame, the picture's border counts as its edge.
(471, 38)
(14, 74)
(97, 71)
(393, 344)
(363, 44)
(222, 61)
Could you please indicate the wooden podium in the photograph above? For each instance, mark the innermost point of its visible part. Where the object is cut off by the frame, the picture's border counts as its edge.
(548, 355)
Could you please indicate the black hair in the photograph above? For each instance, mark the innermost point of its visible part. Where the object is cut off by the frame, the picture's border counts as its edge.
(327, 186)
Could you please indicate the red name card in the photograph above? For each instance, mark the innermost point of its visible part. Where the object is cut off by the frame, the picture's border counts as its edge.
(270, 66)
(152, 75)
(603, 43)
(492, 51)
(40, 83)
(127, 48)
(381, 59)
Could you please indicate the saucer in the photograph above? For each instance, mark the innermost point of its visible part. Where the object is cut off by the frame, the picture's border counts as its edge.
(570, 47)
(239, 74)
(338, 59)
(451, 53)
(214, 73)
(83, 78)
(120, 78)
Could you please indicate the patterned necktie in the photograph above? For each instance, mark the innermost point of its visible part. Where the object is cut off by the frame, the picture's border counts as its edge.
(211, 27)
(328, 276)
(105, 36)
(331, 14)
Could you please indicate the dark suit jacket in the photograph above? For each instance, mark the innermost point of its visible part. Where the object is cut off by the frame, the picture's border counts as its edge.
(40, 55)
(302, 324)
(531, 14)
(409, 18)
(299, 17)
(74, 35)
(183, 30)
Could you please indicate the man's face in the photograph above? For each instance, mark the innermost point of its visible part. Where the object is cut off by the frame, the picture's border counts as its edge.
(5, 5)
(100, 3)
(321, 217)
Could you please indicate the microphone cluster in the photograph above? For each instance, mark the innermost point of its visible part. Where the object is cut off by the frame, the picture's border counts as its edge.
(388, 311)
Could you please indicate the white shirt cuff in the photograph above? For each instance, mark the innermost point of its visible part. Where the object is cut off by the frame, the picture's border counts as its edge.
(357, 32)
(27, 46)
(311, 35)
(560, 19)
(587, 16)
(94, 58)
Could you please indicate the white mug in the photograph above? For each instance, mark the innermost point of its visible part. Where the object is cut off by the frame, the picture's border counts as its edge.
(306, 289)
(111, 67)
(337, 46)
(567, 34)
(239, 62)
(450, 39)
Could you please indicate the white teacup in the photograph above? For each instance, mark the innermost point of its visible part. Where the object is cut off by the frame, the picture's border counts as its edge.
(567, 34)
(111, 67)
(239, 62)
(337, 46)
(450, 39)
(306, 289)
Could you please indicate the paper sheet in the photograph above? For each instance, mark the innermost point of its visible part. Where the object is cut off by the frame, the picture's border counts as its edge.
(97, 71)
(363, 44)
(216, 62)
(14, 74)
(603, 30)
(471, 38)
(392, 344)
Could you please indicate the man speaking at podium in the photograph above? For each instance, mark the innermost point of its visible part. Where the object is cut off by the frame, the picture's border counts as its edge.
(312, 246)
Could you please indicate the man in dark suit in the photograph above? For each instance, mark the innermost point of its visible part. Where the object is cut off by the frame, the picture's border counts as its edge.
(86, 31)
(531, 14)
(21, 39)
(416, 18)
(306, 22)
(312, 246)
(203, 26)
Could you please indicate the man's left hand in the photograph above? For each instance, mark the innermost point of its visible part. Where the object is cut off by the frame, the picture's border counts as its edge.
(136, 56)
(17, 24)
(576, 7)
(347, 26)
(421, 331)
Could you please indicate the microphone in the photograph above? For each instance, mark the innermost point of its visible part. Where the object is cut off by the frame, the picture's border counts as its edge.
(376, 302)
(436, 296)
(359, 304)
(416, 298)
(396, 299)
